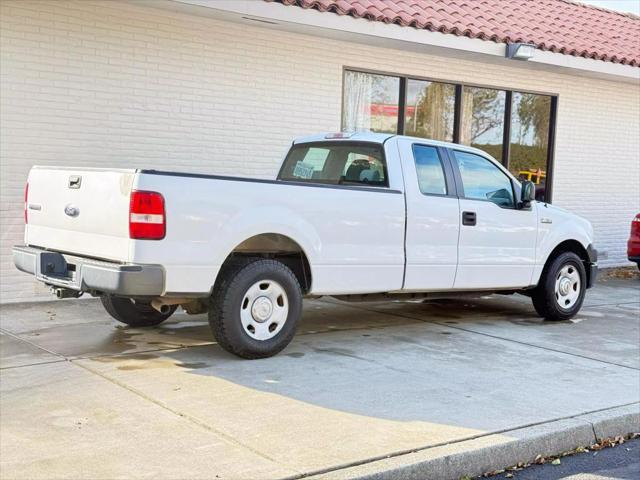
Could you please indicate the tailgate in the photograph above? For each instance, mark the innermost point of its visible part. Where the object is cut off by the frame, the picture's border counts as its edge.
(83, 211)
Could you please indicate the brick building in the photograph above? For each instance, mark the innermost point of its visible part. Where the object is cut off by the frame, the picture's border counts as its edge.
(224, 86)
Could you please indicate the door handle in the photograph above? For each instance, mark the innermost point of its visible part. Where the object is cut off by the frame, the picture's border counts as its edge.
(469, 218)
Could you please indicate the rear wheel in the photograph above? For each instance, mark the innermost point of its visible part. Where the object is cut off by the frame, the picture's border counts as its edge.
(255, 308)
(560, 292)
(134, 313)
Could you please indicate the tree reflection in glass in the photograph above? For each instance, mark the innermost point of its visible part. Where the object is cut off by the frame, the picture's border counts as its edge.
(482, 118)
(429, 110)
(530, 114)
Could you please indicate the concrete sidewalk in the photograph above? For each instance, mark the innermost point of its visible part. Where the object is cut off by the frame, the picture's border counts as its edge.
(397, 390)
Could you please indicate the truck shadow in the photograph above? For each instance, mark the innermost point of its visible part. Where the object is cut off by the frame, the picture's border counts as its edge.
(409, 362)
(345, 356)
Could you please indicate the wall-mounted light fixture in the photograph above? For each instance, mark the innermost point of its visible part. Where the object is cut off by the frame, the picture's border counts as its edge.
(520, 51)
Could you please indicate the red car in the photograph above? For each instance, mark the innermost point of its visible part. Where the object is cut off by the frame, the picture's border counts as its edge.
(633, 245)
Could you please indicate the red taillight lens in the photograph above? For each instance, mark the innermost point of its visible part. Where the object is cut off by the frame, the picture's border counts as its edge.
(635, 225)
(146, 216)
(26, 203)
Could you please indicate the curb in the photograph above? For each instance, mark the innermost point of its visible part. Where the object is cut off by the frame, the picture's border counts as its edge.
(495, 451)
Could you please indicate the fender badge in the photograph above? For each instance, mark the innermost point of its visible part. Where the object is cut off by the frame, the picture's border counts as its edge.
(546, 220)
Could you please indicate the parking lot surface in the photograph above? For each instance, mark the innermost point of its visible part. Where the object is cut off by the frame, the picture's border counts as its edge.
(83, 397)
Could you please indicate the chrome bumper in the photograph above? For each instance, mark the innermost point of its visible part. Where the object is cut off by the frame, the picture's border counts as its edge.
(88, 275)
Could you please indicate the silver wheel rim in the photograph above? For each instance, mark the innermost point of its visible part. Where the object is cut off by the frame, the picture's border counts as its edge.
(264, 310)
(567, 289)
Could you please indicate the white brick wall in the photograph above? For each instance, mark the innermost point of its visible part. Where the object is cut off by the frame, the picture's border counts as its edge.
(109, 83)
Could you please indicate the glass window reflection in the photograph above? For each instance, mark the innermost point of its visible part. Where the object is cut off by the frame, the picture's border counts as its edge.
(529, 143)
(482, 180)
(430, 110)
(370, 102)
(429, 169)
(482, 119)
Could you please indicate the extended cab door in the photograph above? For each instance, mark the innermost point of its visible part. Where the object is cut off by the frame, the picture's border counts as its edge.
(432, 216)
(497, 240)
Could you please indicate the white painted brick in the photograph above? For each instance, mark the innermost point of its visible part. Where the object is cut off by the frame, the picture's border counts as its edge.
(100, 83)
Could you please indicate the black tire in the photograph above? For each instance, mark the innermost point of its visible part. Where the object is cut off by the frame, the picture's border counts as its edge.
(544, 297)
(231, 291)
(134, 313)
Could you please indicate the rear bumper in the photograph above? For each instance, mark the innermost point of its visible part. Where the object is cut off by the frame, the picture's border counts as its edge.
(88, 275)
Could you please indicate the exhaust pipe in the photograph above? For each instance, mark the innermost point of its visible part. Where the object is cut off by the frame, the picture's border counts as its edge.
(160, 307)
(164, 304)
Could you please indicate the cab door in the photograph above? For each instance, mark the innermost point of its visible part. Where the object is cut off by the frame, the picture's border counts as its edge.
(433, 213)
(497, 239)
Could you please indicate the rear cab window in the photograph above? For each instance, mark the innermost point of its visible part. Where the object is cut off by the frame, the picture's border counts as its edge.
(338, 163)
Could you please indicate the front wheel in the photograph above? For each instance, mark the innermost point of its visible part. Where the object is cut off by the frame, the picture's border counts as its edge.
(561, 289)
(255, 308)
(134, 313)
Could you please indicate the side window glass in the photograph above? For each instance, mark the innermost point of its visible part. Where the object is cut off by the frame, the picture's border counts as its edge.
(431, 179)
(482, 180)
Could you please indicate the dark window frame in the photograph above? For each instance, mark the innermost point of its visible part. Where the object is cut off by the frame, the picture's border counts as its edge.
(459, 88)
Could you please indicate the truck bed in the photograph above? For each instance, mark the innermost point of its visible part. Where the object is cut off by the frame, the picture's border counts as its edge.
(208, 216)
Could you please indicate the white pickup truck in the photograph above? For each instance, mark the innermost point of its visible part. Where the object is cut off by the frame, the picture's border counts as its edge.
(360, 216)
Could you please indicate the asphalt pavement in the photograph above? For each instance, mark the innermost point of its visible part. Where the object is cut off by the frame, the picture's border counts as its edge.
(621, 462)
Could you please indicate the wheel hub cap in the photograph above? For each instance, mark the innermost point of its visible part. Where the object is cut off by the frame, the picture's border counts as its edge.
(261, 309)
(568, 286)
(565, 285)
(264, 309)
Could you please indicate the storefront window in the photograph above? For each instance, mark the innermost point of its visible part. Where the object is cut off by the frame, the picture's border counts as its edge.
(530, 116)
(370, 102)
(429, 110)
(482, 119)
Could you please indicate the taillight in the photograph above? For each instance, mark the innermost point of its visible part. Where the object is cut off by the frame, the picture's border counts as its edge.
(26, 203)
(146, 216)
(635, 225)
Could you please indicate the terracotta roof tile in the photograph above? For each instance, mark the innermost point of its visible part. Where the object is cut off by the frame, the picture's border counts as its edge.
(561, 26)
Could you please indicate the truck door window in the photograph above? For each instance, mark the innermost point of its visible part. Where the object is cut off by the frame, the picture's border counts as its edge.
(431, 178)
(482, 180)
(337, 163)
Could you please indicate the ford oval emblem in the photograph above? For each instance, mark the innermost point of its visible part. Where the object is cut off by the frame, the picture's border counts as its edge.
(71, 211)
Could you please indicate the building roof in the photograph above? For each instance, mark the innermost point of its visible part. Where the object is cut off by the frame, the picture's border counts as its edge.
(561, 26)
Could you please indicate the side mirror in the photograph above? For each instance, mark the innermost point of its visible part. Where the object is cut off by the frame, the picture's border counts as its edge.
(528, 194)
